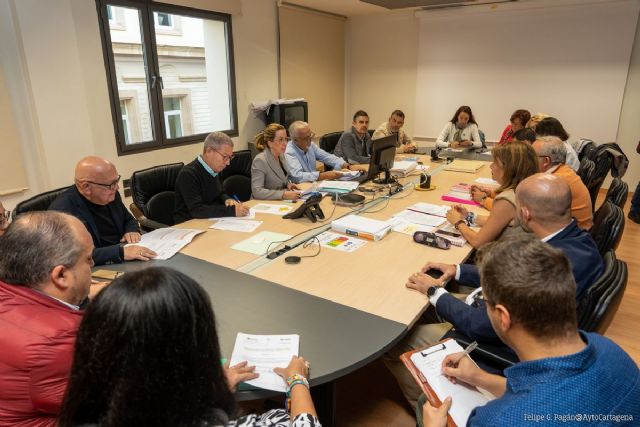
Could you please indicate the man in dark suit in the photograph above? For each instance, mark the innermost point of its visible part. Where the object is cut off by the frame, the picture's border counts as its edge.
(96, 202)
(544, 209)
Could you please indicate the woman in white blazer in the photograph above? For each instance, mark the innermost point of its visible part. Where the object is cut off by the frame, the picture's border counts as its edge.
(269, 170)
(461, 131)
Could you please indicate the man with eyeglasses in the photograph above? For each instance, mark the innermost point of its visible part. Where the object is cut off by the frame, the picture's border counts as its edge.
(302, 155)
(199, 188)
(96, 202)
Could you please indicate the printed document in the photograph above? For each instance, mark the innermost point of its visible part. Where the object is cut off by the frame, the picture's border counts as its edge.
(465, 398)
(340, 242)
(266, 352)
(266, 208)
(166, 242)
(241, 225)
(250, 215)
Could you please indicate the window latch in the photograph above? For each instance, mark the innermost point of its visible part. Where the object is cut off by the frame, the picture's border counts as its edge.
(156, 79)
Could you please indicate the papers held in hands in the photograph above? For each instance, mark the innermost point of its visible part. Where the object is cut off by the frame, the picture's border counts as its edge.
(166, 242)
(359, 226)
(266, 352)
(426, 367)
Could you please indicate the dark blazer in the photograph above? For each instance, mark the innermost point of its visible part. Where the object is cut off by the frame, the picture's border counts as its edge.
(586, 264)
(199, 195)
(352, 149)
(72, 202)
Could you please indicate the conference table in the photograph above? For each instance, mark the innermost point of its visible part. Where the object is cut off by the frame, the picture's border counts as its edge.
(348, 308)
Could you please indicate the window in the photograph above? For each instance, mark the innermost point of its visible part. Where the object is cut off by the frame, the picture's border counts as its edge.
(172, 117)
(170, 73)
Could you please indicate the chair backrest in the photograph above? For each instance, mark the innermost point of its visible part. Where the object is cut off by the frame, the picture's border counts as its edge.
(586, 170)
(328, 141)
(618, 192)
(588, 151)
(38, 202)
(601, 300)
(236, 178)
(608, 225)
(153, 191)
(483, 138)
(603, 166)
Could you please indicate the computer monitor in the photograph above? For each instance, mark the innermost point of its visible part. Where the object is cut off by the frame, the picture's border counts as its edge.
(383, 153)
(285, 114)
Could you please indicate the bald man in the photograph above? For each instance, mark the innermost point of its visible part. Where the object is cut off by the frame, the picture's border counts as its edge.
(543, 206)
(552, 155)
(95, 200)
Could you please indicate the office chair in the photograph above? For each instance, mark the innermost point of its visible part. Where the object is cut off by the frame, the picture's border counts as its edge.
(601, 300)
(153, 193)
(586, 171)
(236, 178)
(588, 151)
(608, 225)
(618, 192)
(603, 166)
(328, 141)
(38, 202)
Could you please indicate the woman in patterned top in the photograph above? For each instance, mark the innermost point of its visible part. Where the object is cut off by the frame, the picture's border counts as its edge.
(147, 354)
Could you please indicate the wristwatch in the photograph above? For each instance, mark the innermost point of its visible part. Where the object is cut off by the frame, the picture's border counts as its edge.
(432, 290)
(457, 224)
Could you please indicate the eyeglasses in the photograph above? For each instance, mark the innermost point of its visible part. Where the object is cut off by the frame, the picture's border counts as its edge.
(112, 186)
(4, 218)
(224, 156)
(306, 138)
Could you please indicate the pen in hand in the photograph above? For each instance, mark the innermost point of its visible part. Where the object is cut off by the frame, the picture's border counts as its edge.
(234, 197)
(465, 353)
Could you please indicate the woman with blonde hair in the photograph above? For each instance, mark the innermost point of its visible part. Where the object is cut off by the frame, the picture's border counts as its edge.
(512, 163)
(270, 177)
(535, 119)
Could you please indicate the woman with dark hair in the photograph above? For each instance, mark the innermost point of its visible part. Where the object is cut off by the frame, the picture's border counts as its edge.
(147, 354)
(512, 163)
(550, 126)
(461, 131)
(518, 120)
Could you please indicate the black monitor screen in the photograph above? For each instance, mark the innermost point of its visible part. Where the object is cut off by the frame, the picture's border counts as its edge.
(383, 152)
(293, 113)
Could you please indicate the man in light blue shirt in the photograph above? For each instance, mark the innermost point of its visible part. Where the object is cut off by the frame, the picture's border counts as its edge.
(302, 154)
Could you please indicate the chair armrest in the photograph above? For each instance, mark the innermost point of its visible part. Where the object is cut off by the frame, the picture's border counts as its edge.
(149, 224)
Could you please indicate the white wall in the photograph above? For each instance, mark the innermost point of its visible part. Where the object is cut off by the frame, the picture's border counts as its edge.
(381, 75)
(58, 89)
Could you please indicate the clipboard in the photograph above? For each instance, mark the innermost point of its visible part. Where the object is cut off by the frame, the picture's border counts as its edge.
(106, 275)
(426, 388)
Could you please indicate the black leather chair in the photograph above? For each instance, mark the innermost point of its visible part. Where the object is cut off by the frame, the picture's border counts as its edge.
(618, 192)
(39, 202)
(153, 193)
(603, 166)
(601, 300)
(236, 178)
(492, 358)
(608, 225)
(328, 141)
(586, 171)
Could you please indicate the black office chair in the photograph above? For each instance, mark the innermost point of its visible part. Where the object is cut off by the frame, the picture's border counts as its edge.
(608, 225)
(618, 192)
(586, 171)
(40, 202)
(328, 141)
(236, 178)
(153, 193)
(490, 357)
(603, 166)
(601, 300)
(588, 151)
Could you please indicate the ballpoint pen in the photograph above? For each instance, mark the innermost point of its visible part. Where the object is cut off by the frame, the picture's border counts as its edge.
(466, 352)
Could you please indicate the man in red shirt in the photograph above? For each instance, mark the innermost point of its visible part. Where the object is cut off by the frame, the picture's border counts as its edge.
(45, 274)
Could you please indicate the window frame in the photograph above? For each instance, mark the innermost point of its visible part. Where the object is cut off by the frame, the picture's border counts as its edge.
(146, 9)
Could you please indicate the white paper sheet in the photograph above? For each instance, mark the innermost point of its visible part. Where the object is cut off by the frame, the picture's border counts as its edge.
(241, 225)
(250, 215)
(265, 208)
(166, 242)
(431, 209)
(338, 186)
(402, 226)
(487, 181)
(420, 218)
(340, 242)
(465, 398)
(266, 352)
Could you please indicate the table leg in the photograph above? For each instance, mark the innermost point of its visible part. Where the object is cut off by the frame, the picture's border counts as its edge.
(324, 399)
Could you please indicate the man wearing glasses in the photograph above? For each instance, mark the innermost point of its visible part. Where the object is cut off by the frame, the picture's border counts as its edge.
(96, 202)
(302, 155)
(199, 188)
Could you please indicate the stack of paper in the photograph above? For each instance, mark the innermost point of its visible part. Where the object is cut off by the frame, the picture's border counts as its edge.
(459, 165)
(459, 193)
(338, 186)
(242, 225)
(166, 242)
(349, 175)
(403, 168)
(414, 217)
(367, 228)
(260, 242)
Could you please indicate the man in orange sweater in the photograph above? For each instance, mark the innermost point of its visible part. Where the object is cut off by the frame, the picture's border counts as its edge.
(551, 157)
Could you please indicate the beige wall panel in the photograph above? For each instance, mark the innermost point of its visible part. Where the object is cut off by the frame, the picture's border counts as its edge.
(312, 65)
(12, 171)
